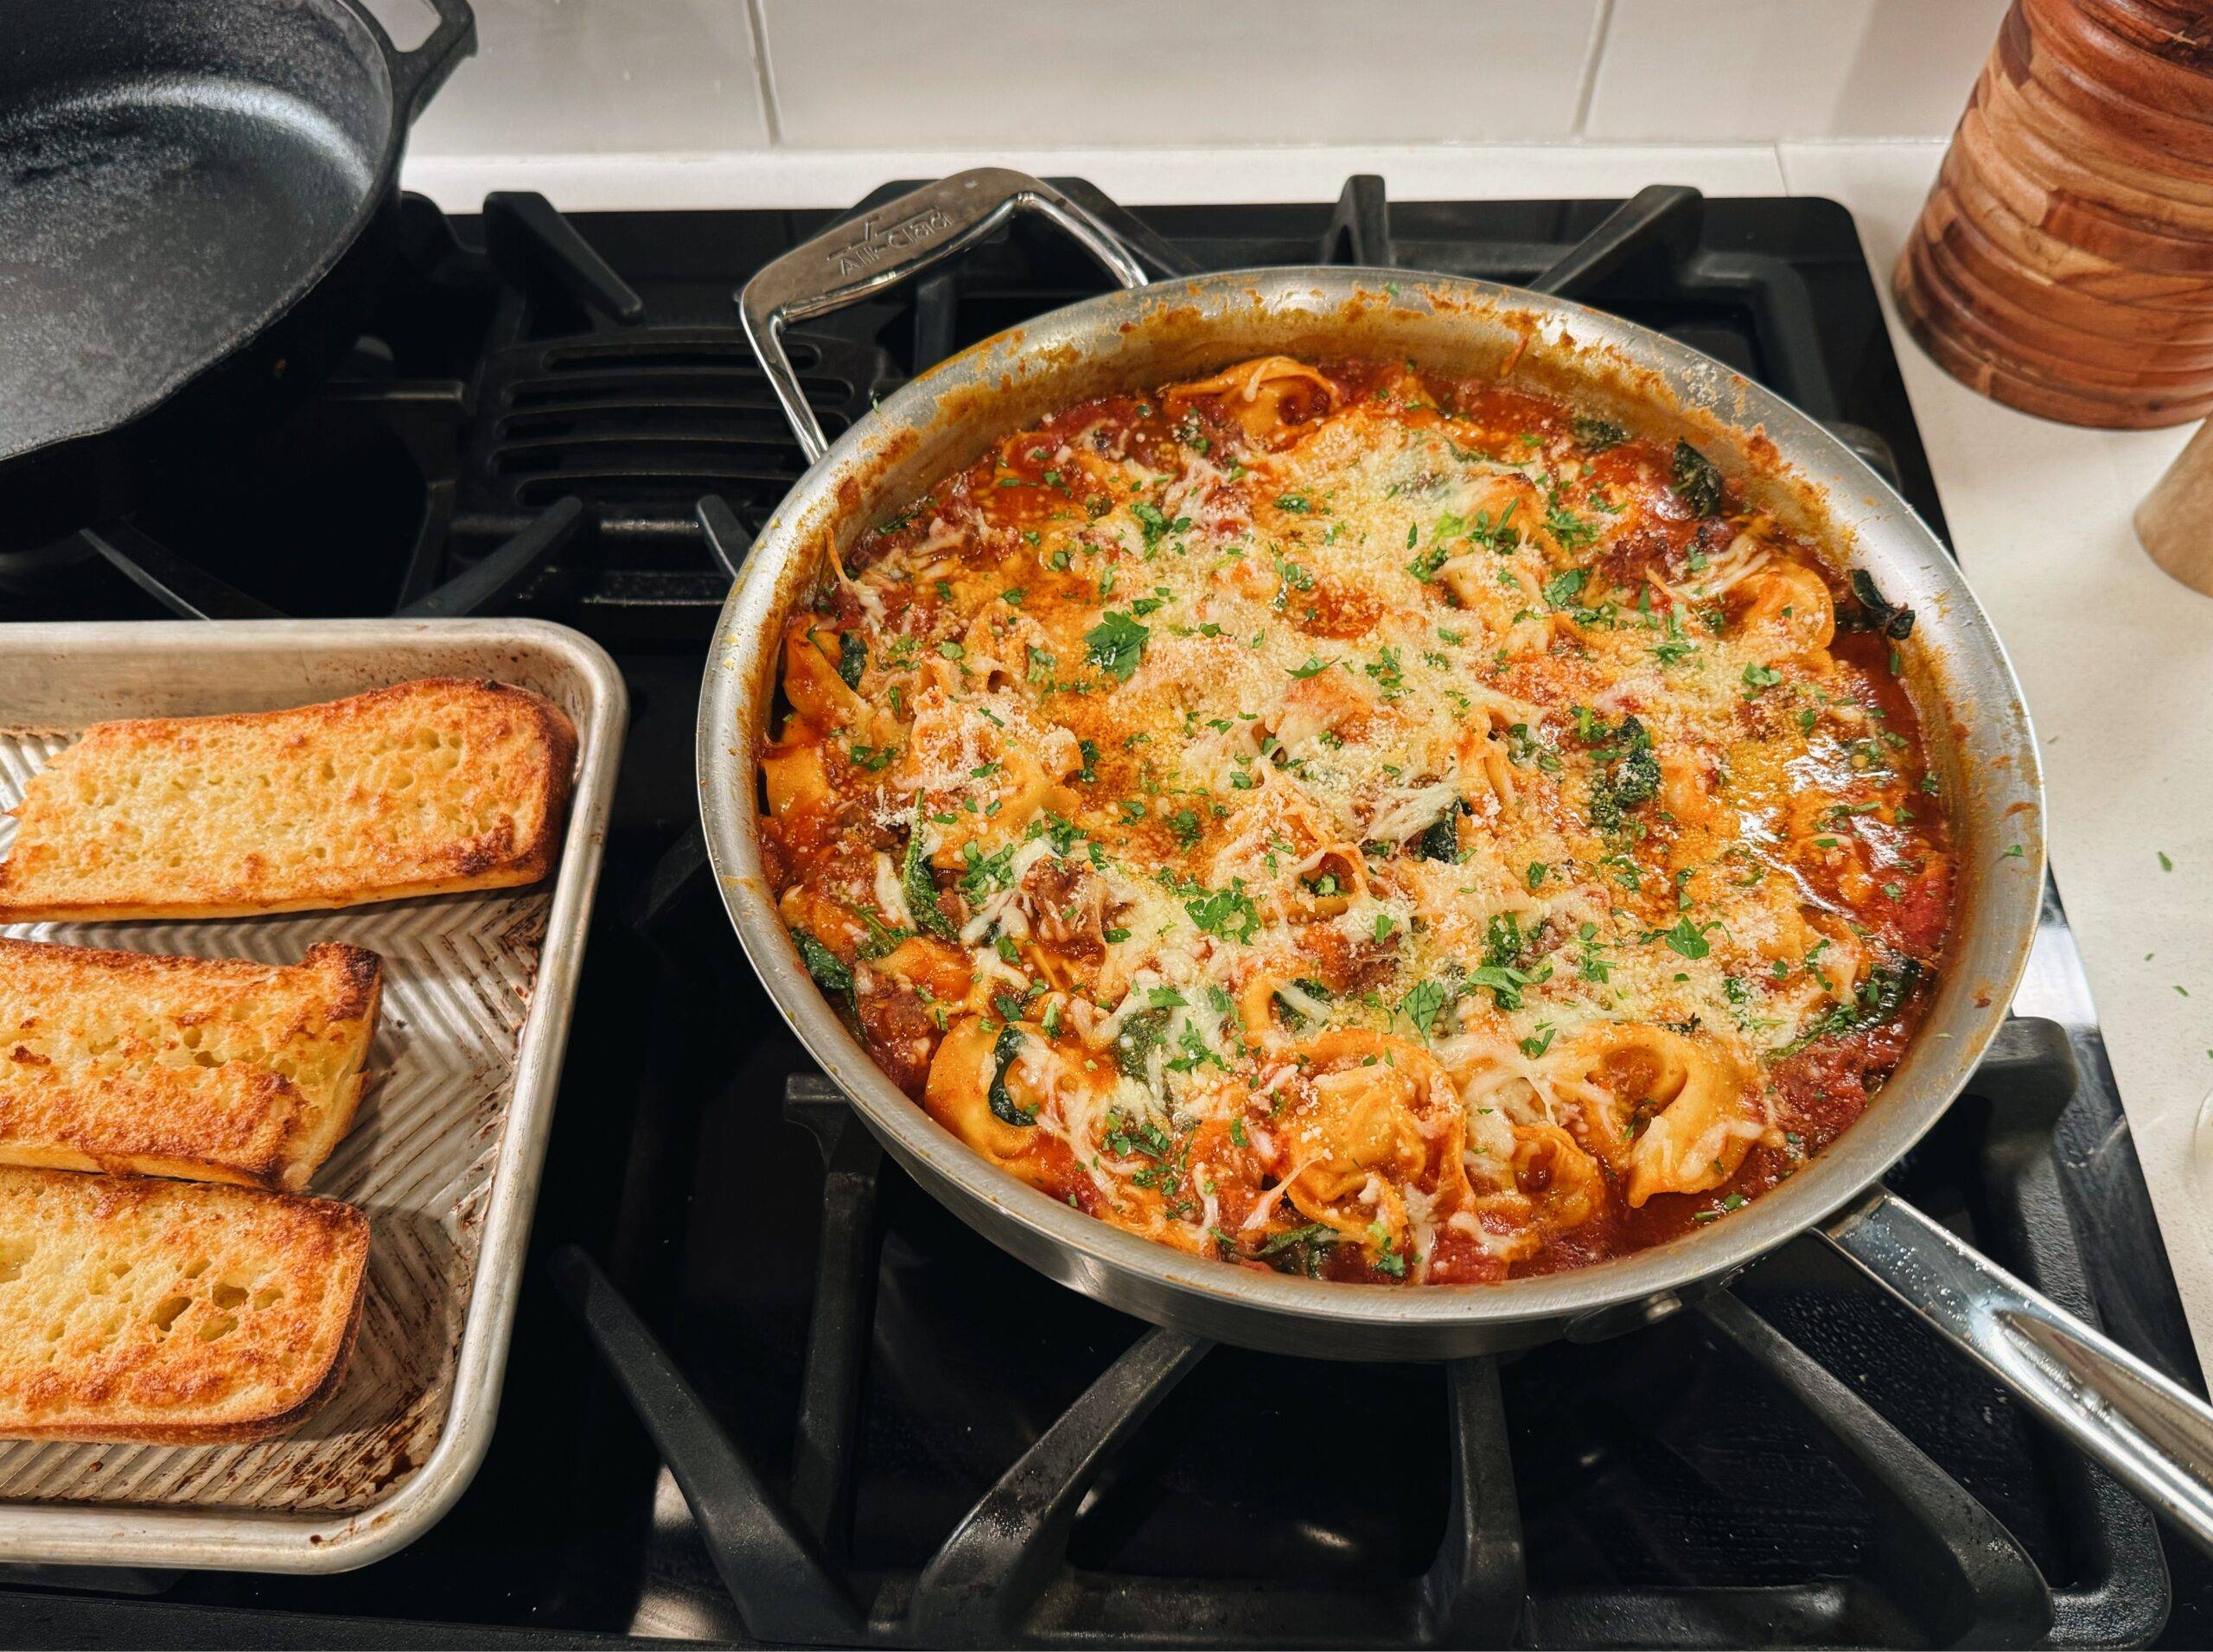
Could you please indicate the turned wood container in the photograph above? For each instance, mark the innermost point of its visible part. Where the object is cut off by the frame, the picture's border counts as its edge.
(2064, 262)
(2175, 522)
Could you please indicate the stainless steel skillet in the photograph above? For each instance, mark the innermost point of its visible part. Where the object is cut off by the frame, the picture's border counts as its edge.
(2150, 1434)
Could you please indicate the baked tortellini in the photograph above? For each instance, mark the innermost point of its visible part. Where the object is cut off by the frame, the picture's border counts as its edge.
(1344, 820)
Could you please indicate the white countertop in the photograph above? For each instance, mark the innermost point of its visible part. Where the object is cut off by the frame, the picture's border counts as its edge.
(2115, 658)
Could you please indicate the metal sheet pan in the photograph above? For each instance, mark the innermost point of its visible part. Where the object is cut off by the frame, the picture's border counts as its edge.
(446, 1152)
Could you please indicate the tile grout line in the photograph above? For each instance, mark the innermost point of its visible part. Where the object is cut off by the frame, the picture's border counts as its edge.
(1602, 21)
(764, 82)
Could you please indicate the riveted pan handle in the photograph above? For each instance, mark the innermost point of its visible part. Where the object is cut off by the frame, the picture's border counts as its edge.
(417, 74)
(2152, 1434)
(895, 243)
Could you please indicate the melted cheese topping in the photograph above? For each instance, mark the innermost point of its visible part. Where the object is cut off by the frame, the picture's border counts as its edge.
(1350, 822)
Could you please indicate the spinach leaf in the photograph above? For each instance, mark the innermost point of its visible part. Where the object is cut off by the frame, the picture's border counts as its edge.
(1628, 777)
(921, 889)
(1696, 480)
(1597, 435)
(1441, 841)
(1140, 1034)
(1003, 1054)
(1873, 612)
(1875, 1001)
(830, 971)
(853, 658)
(1300, 1250)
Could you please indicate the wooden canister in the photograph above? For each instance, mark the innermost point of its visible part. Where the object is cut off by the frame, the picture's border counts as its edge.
(2175, 521)
(2064, 262)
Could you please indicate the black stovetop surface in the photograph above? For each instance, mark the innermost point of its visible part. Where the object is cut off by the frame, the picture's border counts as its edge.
(1737, 1475)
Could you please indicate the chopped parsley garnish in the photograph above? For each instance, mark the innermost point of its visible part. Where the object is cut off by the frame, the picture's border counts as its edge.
(1425, 563)
(1386, 1261)
(1116, 644)
(1565, 588)
(1572, 532)
(1228, 913)
(1154, 522)
(986, 874)
(1423, 1003)
(1388, 675)
(1688, 940)
(1506, 980)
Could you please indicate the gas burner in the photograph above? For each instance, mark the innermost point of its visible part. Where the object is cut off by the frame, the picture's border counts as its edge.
(862, 1422)
(1795, 1459)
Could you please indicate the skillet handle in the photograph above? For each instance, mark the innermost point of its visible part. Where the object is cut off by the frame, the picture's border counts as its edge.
(2152, 1434)
(895, 243)
(417, 74)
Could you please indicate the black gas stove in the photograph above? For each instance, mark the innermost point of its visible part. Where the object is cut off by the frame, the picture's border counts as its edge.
(863, 1423)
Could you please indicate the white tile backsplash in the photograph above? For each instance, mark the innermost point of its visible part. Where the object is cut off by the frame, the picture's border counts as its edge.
(600, 76)
(578, 79)
(890, 73)
(1728, 70)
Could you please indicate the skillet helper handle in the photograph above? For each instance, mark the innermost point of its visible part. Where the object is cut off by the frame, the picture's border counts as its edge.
(2148, 1432)
(417, 73)
(897, 242)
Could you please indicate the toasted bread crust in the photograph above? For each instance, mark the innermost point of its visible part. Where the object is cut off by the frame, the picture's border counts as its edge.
(214, 1069)
(188, 1314)
(426, 787)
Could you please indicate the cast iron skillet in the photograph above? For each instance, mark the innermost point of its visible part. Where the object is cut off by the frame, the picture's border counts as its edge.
(196, 200)
(2152, 1434)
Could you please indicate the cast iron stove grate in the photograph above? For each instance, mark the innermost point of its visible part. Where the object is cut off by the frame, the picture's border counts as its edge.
(1774, 1463)
(542, 403)
(1708, 1480)
(1934, 1566)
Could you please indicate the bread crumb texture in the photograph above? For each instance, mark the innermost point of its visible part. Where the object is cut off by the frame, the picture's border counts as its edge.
(133, 1309)
(424, 788)
(221, 1069)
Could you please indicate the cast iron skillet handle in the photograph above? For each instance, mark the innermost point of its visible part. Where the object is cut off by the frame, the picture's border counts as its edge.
(417, 74)
(2152, 1434)
(895, 243)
